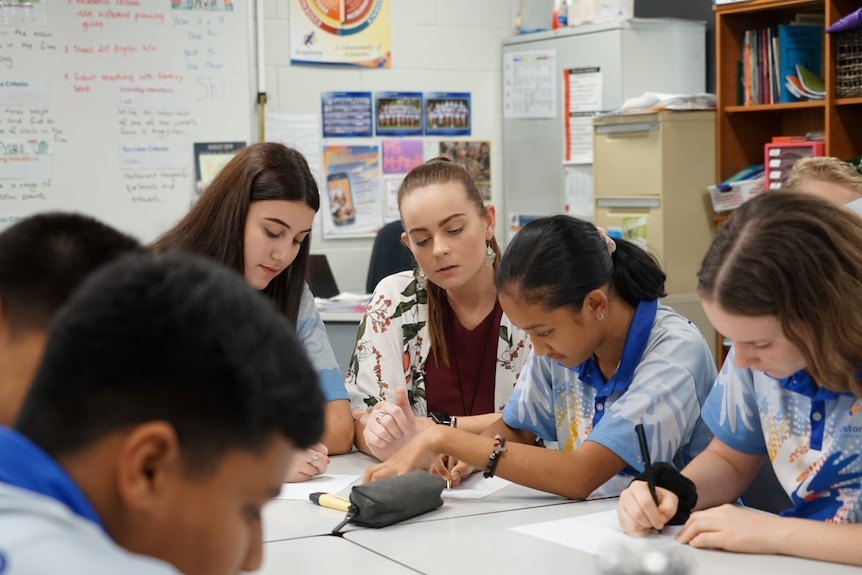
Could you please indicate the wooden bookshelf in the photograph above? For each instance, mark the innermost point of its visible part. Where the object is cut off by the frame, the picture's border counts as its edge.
(741, 131)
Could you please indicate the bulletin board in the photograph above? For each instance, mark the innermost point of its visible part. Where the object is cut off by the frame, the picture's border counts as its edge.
(102, 102)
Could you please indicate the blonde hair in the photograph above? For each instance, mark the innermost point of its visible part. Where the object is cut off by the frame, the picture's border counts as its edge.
(443, 171)
(824, 169)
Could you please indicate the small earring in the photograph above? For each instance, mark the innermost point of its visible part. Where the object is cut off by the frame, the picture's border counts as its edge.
(490, 255)
(421, 278)
(600, 316)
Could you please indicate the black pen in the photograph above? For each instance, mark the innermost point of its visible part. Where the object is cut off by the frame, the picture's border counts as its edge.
(639, 430)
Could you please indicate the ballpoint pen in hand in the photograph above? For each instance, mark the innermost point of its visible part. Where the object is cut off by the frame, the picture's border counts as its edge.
(639, 429)
(449, 459)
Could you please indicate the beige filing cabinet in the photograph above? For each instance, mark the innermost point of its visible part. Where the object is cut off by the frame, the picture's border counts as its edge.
(651, 175)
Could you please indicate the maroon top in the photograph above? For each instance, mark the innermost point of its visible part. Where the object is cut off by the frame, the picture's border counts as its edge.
(466, 387)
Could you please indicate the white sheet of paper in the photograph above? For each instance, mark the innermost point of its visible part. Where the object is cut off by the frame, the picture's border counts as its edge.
(593, 533)
(326, 483)
(475, 487)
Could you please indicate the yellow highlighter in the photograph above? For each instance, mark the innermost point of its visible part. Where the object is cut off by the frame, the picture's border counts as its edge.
(336, 502)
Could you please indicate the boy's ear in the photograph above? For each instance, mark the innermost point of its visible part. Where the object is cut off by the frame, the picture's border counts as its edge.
(147, 460)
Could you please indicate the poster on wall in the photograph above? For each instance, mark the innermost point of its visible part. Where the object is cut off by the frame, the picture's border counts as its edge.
(398, 113)
(346, 114)
(352, 205)
(340, 32)
(530, 84)
(447, 113)
(401, 156)
(476, 157)
(582, 98)
(210, 158)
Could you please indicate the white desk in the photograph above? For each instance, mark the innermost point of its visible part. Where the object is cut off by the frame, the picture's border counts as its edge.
(487, 544)
(290, 519)
(325, 555)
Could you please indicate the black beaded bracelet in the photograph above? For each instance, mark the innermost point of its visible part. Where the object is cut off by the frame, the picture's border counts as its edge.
(494, 458)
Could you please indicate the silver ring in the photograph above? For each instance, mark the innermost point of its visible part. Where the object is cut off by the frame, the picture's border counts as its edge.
(379, 415)
(313, 459)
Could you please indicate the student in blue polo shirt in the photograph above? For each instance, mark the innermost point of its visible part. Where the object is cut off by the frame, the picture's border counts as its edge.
(606, 356)
(782, 280)
(162, 418)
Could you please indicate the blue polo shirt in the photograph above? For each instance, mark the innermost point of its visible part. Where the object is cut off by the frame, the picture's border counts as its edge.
(813, 437)
(25, 465)
(665, 374)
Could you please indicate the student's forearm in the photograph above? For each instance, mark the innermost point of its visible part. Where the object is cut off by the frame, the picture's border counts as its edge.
(338, 427)
(837, 542)
(477, 423)
(721, 474)
(572, 474)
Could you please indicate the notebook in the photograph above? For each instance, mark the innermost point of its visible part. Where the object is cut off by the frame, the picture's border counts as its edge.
(320, 278)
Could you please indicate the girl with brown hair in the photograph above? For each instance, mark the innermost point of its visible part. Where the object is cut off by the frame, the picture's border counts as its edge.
(255, 217)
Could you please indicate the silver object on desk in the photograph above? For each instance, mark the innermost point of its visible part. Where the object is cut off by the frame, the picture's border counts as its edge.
(642, 558)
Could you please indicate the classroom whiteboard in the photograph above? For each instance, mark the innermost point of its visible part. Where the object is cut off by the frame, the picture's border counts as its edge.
(102, 101)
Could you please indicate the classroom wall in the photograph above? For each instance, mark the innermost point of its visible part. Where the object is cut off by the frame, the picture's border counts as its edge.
(437, 45)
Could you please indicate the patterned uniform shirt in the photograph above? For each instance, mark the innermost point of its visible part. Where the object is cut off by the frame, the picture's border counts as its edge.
(813, 437)
(665, 374)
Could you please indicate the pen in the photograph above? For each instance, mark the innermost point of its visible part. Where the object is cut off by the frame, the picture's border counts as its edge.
(639, 429)
(449, 459)
(329, 500)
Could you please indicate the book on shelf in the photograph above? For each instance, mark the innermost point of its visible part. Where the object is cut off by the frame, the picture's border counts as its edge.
(798, 45)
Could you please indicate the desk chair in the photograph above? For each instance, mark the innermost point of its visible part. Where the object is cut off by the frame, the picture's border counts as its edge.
(765, 492)
(388, 256)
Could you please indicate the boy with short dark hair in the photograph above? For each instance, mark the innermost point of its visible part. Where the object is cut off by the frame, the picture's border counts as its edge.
(43, 259)
(162, 418)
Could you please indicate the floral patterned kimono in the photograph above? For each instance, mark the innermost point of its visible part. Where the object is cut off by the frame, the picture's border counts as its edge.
(392, 347)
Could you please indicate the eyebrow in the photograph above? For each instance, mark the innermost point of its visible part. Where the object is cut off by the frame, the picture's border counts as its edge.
(533, 327)
(442, 222)
(285, 224)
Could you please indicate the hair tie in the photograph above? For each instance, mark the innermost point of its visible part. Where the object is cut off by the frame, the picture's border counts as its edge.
(609, 241)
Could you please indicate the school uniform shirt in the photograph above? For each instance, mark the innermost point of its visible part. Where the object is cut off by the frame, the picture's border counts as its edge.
(312, 334)
(813, 437)
(392, 347)
(855, 206)
(665, 374)
(47, 525)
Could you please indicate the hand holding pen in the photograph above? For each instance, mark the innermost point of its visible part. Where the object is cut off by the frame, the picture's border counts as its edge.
(650, 478)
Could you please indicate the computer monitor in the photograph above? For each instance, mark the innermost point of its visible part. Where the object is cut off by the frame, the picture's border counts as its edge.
(320, 278)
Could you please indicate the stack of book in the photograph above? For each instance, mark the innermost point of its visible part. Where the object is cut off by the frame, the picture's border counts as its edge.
(782, 64)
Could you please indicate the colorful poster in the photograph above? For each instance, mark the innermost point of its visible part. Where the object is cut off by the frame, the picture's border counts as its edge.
(398, 113)
(347, 114)
(401, 156)
(341, 32)
(476, 157)
(352, 205)
(210, 158)
(447, 113)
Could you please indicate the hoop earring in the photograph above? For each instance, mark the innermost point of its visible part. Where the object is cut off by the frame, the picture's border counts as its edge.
(600, 316)
(490, 255)
(421, 278)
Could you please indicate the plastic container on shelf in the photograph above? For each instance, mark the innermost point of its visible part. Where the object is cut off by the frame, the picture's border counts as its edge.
(726, 197)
